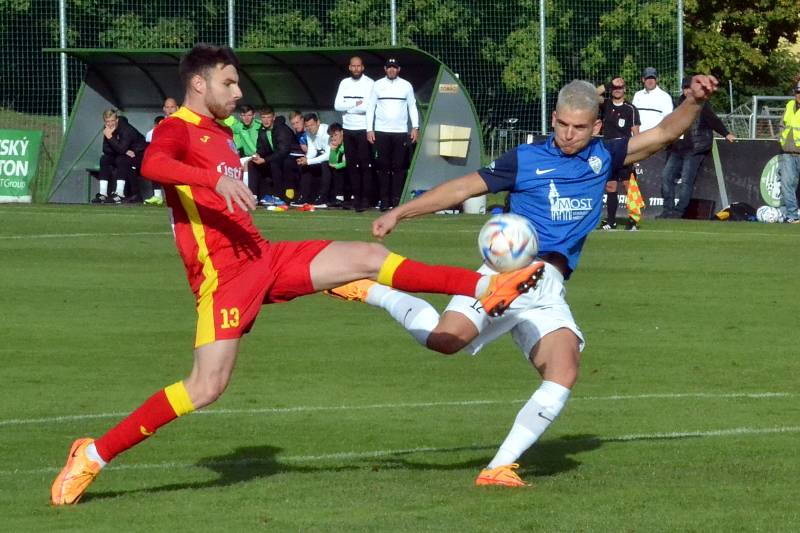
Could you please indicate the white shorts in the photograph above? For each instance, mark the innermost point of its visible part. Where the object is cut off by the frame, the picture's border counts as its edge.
(530, 317)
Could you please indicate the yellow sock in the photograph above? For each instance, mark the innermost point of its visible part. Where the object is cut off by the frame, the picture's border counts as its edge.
(179, 399)
(389, 267)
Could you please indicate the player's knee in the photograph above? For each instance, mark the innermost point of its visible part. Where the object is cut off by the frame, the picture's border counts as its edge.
(445, 343)
(374, 255)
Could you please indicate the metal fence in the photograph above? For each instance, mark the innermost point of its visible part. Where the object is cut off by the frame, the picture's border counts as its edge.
(512, 56)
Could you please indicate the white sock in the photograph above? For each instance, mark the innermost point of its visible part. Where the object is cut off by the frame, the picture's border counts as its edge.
(532, 420)
(91, 453)
(103, 186)
(482, 285)
(157, 192)
(416, 315)
(120, 188)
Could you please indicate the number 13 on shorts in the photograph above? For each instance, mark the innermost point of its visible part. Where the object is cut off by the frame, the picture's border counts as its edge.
(229, 318)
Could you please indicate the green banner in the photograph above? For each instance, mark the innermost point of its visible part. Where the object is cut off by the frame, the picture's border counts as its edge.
(19, 157)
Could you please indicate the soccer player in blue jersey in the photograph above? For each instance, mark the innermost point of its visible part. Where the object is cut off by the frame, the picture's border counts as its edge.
(558, 185)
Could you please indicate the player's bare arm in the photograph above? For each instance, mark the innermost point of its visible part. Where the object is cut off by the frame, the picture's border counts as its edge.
(645, 144)
(442, 196)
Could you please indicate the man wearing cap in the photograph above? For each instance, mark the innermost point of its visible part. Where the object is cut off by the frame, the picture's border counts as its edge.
(351, 102)
(685, 156)
(389, 108)
(652, 102)
(790, 158)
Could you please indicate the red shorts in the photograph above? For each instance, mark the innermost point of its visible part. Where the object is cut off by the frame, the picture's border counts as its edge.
(228, 308)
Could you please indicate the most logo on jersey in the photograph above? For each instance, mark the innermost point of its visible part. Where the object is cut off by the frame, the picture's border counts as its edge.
(565, 208)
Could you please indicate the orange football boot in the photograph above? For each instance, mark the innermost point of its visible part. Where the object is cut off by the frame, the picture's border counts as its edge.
(76, 476)
(355, 291)
(505, 287)
(502, 475)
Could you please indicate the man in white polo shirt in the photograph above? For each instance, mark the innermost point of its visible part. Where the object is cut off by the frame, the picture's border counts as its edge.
(652, 102)
(351, 101)
(390, 107)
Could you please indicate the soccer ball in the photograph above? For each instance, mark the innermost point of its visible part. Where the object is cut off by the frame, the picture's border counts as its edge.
(508, 242)
(768, 214)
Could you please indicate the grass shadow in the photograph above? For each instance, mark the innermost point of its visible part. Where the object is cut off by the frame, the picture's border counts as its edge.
(244, 464)
(240, 466)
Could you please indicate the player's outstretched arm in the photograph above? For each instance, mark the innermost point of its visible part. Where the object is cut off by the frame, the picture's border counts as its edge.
(443, 196)
(645, 144)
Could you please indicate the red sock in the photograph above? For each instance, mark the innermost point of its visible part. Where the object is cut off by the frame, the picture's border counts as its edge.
(160, 409)
(413, 276)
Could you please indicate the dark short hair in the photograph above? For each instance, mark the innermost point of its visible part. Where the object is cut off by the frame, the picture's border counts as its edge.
(310, 116)
(334, 128)
(266, 110)
(246, 108)
(204, 57)
(158, 119)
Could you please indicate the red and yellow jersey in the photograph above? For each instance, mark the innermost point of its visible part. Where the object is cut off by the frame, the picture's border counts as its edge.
(188, 154)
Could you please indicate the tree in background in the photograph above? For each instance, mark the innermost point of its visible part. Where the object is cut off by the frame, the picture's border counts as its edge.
(284, 29)
(745, 41)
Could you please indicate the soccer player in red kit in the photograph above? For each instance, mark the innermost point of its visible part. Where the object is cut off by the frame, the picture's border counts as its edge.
(233, 270)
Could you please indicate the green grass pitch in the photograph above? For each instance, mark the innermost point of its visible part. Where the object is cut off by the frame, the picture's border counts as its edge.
(686, 416)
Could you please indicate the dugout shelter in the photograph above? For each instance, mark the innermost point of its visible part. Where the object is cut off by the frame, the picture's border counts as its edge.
(136, 82)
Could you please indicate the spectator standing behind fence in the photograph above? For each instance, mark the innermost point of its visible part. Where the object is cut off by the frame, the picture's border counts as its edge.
(652, 102)
(685, 156)
(123, 148)
(351, 101)
(389, 108)
(315, 174)
(790, 158)
(337, 161)
(620, 119)
(267, 167)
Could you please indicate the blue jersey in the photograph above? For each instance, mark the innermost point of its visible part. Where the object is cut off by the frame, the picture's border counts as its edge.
(561, 194)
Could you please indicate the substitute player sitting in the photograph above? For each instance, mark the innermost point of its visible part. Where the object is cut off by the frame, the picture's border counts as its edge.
(558, 185)
(232, 269)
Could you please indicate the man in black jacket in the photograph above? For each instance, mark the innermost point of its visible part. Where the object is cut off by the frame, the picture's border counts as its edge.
(267, 169)
(123, 149)
(685, 156)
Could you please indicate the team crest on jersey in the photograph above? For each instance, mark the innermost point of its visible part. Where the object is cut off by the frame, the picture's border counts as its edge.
(204, 139)
(595, 163)
(232, 146)
(566, 208)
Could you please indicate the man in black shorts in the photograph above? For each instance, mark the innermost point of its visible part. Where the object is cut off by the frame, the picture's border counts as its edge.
(620, 119)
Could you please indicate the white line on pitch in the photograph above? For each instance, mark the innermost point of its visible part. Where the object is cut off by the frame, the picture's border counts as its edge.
(353, 455)
(417, 405)
(81, 235)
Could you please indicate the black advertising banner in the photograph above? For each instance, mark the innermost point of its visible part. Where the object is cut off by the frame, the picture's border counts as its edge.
(745, 165)
(649, 178)
(741, 171)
